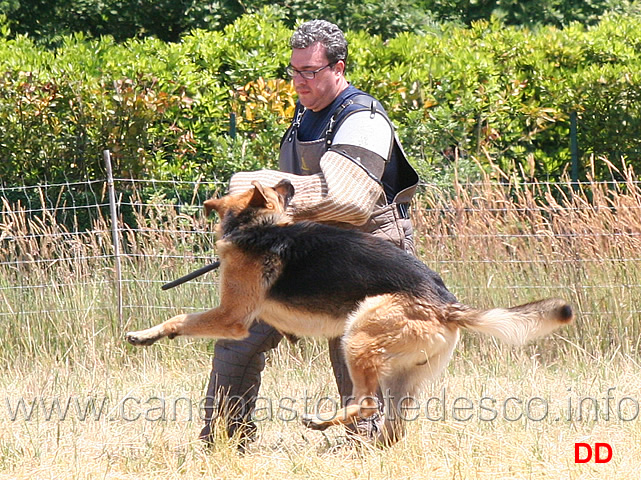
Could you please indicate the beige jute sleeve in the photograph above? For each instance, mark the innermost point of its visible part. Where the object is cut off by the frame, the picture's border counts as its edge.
(343, 191)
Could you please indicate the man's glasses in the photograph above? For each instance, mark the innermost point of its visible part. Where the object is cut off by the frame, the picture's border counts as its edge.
(306, 74)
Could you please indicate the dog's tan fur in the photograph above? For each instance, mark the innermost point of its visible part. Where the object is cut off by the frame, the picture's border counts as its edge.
(395, 340)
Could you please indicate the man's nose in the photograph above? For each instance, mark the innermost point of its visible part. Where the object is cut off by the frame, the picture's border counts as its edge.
(299, 79)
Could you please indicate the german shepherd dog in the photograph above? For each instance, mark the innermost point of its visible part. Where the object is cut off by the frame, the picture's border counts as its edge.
(398, 322)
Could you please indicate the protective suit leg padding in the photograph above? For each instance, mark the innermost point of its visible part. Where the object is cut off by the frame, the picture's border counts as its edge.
(235, 380)
(341, 372)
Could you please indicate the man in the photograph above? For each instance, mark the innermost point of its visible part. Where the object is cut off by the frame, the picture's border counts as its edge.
(348, 168)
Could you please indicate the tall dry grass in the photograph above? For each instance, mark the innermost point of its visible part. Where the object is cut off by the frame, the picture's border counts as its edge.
(493, 244)
(523, 241)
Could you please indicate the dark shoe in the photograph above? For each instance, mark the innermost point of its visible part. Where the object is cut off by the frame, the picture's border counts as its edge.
(242, 433)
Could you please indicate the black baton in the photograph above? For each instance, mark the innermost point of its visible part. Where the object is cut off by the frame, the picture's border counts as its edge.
(192, 275)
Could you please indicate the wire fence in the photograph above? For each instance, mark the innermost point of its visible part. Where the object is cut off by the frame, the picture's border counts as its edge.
(107, 246)
(60, 239)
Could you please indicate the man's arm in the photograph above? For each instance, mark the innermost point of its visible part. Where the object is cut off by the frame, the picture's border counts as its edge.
(348, 186)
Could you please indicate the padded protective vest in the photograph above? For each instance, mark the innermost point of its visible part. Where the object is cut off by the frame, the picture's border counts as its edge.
(303, 158)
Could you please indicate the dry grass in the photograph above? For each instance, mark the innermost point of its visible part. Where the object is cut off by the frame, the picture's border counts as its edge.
(494, 246)
(117, 447)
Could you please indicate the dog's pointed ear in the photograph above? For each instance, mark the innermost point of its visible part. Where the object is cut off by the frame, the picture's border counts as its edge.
(213, 204)
(286, 190)
(258, 198)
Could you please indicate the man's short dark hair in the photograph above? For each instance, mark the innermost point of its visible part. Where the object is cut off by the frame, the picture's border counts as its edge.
(325, 33)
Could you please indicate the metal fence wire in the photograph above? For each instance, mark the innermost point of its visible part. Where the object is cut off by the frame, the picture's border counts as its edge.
(107, 246)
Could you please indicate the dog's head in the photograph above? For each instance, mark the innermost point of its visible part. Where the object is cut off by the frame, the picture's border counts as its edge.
(273, 199)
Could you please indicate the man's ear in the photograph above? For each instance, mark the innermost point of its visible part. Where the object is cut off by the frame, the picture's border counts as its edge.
(286, 190)
(258, 198)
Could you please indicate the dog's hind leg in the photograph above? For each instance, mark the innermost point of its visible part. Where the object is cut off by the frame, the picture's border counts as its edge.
(364, 401)
(369, 331)
(402, 387)
(364, 362)
(402, 343)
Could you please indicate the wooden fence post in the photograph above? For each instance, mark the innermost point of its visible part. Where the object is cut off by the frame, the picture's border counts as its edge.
(114, 233)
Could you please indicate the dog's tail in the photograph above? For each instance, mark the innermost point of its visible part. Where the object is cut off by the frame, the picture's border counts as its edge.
(516, 325)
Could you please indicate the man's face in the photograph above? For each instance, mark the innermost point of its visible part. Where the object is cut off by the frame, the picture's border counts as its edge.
(320, 91)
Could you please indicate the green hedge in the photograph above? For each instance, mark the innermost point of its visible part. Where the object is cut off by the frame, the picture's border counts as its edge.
(48, 20)
(497, 95)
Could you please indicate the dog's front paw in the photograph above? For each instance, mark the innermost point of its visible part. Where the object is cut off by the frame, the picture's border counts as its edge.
(144, 337)
(310, 421)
